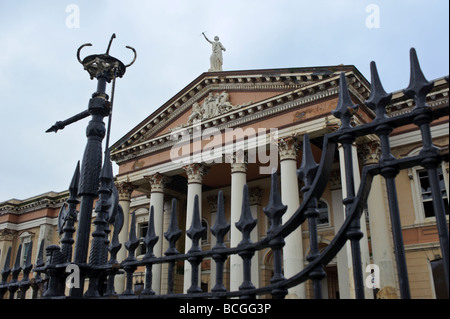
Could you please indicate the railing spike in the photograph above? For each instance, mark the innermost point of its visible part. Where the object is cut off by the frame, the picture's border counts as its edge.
(308, 167)
(173, 233)
(133, 241)
(275, 208)
(7, 265)
(378, 99)
(419, 86)
(345, 108)
(246, 222)
(150, 239)
(220, 228)
(196, 231)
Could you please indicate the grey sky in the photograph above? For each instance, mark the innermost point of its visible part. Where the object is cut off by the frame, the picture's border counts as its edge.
(42, 82)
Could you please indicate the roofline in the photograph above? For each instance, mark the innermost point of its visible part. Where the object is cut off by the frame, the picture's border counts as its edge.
(315, 70)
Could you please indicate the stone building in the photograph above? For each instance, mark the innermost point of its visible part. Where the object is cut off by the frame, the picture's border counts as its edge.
(230, 128)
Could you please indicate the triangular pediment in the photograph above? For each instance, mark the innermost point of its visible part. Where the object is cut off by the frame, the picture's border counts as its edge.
(228, 98)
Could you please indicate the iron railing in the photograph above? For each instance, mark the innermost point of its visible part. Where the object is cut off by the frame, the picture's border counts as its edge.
(101, 272)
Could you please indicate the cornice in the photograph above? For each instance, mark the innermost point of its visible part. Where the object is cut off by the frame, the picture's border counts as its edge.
(297, 95)
(47, 200)
(269, 79)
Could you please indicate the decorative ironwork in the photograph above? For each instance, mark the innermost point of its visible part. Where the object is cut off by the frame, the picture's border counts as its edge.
(316, 176)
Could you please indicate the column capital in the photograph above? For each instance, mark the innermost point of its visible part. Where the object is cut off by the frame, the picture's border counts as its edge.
(287, 147)
(125, 189)
(195, 172)
(369, 153)
(157, 182)
(7, 234)
(238, 161)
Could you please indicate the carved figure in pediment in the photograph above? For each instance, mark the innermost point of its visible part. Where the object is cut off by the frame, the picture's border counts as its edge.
(210, 106)
(213, 105)
(197, 113)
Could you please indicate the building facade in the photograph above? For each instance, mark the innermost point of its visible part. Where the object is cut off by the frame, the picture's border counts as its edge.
(231, 128)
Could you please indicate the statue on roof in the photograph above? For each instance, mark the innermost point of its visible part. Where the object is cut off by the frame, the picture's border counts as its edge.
(216, 56)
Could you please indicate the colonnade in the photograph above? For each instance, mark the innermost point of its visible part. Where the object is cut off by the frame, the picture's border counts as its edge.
(293, 251)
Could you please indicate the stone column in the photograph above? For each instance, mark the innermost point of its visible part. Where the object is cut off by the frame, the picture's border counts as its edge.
(293, 249)
(364, 244)
(381, 237)
(157, 182)
(238, 180)
(195, 173)
(125, 189)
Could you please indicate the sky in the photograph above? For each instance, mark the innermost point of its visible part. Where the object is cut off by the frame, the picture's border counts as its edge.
(42, 82)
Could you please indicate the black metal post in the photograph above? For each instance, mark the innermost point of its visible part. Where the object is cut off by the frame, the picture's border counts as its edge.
(172, 235)
(307, 172)
(378, 101)
(220, 229)
(344, 112)
(418, 89)
(245, 225)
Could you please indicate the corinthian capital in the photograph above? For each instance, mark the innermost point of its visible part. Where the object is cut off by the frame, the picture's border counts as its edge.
(195, 172)
(287, 147)
(157, 182)
(125, 189)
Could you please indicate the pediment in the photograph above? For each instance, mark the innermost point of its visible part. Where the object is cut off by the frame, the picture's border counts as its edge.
(225, 99)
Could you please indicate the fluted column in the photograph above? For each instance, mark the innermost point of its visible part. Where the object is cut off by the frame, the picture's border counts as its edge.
(238, 180)
(125, 190)
(157, 182)
(293, 249)
(195, 173)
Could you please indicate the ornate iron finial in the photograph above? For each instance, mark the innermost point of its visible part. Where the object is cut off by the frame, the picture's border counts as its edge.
(115, 245)
(104, 65)
(133, 241)
(196, 231)
(68, 210)
(308, 168)
(275, 209)
(220, 228)
(173, 233)
(246, 223)
(378, 99)
(419, 86)
(345, 108)
(150, 239)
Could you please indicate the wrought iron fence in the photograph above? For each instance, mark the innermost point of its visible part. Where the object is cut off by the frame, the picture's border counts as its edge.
(51, 275)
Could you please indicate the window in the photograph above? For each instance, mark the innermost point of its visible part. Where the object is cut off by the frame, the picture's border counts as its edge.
(25, 239)
(323, 218)
(425, 192)
(142, 249)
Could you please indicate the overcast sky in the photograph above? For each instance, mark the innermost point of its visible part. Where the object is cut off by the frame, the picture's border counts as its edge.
(42, 82)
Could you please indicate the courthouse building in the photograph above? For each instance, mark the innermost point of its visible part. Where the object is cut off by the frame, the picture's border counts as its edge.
(230, 128)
